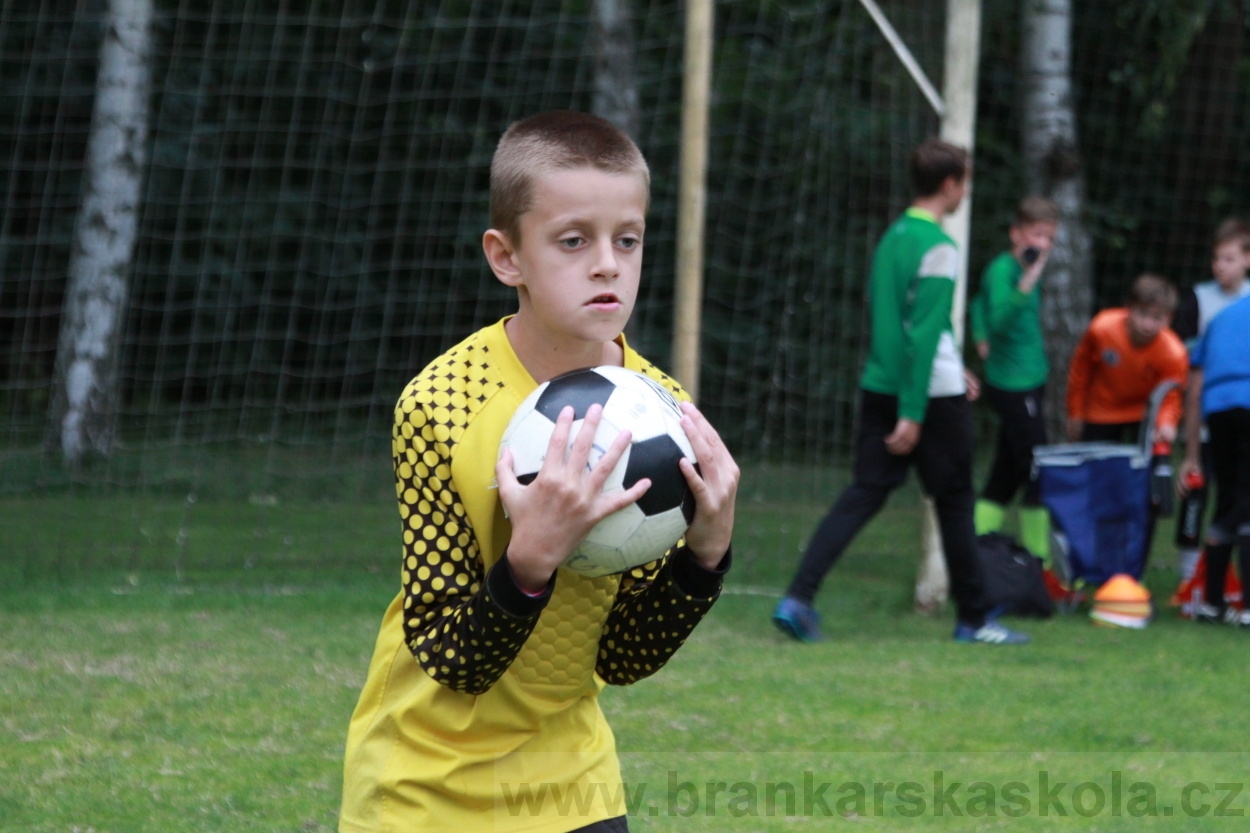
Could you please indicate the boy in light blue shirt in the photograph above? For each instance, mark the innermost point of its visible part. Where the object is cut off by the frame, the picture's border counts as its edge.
(1219, 395)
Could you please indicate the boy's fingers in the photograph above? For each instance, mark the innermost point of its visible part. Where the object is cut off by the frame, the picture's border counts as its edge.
(703, 437)
(611, 456)
(505, 477)
(585, 439)
(619, 500)
(693, 479)
(559, 437)
(717, 468)
(503, 467)
(696, 416)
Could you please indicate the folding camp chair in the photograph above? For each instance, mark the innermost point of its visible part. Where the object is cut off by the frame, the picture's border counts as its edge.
(1099, 497)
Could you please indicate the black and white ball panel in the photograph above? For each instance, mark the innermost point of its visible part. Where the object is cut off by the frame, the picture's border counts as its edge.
(656, 458)
(579, 388)
(631, 401)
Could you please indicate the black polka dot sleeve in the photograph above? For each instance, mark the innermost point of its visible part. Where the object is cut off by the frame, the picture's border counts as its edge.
(464, 625)
(656, 608)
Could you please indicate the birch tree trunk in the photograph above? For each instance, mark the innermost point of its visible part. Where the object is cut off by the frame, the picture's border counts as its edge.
(85, 399)
(616, 80)
(1054, 168)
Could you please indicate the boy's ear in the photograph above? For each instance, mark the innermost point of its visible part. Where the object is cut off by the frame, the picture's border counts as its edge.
(501, 255)
(952, 185)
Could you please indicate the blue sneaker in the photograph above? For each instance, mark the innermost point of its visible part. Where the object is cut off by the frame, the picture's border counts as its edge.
(991, 633)
(797, 619)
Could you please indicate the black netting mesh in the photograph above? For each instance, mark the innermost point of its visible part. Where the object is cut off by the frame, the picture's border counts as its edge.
(315, 193)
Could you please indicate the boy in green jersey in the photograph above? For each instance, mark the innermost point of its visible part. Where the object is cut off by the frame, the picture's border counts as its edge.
(1006, 326)
(913, 405)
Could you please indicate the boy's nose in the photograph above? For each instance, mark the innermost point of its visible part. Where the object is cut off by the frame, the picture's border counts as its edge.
(605, 260)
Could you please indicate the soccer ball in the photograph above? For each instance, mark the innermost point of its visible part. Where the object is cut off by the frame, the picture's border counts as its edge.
(642, 531)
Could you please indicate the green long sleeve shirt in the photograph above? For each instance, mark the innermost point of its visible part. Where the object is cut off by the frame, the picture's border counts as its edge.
(911, 289)
(1012, 325)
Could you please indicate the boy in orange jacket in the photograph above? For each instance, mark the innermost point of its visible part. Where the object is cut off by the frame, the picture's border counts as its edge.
(1126, 352)
(1124, 355)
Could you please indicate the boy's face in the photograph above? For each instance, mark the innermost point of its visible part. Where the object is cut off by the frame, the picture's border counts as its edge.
(1038, 235)
(579, 263)
(1229, 263)
(1145, 323)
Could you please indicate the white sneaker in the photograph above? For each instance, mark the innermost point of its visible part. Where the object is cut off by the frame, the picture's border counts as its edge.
(1238, 618)
(1208, 614)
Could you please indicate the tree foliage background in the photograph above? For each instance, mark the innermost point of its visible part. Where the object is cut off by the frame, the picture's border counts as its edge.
(316, 193)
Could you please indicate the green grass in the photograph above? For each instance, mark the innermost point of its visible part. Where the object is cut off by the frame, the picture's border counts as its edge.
(167, 666)
(183, 716)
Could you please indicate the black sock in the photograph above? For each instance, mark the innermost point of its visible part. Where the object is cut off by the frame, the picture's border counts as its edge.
(1243, 567)
(1218, 556)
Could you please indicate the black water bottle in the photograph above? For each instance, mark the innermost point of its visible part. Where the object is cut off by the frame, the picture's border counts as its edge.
(1189, 522)
(1162, 500)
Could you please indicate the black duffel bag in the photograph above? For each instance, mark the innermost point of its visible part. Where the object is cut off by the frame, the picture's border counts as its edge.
(1012, 577)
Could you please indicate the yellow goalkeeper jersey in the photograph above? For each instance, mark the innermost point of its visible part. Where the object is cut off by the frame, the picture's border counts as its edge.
(480, 710)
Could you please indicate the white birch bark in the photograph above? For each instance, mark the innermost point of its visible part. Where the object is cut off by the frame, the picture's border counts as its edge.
(1054, 168)
(85, 402)
(616, 80)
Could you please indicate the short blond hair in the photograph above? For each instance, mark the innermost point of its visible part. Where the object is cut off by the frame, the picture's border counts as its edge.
(1233, 230)
(1036, 209)
(552, 141)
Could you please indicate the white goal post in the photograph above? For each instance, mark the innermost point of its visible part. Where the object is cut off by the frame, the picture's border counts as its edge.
(957, 109)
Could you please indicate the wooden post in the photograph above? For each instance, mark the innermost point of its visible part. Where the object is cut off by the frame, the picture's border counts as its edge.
(691, 200)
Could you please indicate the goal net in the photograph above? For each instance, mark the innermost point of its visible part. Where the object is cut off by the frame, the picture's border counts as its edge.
(315, 190)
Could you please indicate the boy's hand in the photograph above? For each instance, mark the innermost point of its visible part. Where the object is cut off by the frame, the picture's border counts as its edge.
(555, 513)
(1033, 273)
(715, 489)
(904, 438)
(972, 384)
(1189, 467)
(1076, 426)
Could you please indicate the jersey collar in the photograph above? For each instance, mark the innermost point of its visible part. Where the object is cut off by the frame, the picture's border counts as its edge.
(921, 214)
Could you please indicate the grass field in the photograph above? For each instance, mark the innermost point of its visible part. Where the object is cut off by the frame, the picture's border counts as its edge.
(176, 666)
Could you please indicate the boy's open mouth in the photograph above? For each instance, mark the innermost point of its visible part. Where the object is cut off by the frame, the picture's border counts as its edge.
(606, 298)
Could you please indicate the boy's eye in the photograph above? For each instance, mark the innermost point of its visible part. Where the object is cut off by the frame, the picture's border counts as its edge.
(570, 242)
(628, 243)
